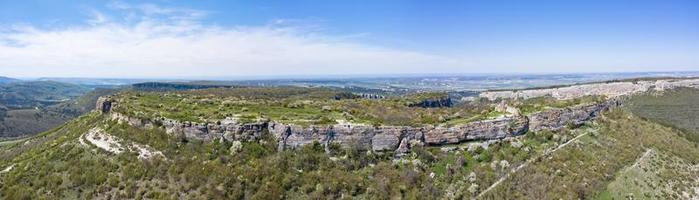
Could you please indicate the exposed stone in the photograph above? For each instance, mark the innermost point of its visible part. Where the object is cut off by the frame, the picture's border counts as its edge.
(473, 189)
(433, 103)
(236, 146)
(504, 164)
(383, 138)
(472, 177)
(479, 130)
(613, 89)
(327, 108)
(104, 104)
(383, 142)
(556, 119)
(516, 144)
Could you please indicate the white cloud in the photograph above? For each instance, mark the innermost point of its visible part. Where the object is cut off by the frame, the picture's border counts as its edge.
(152, 41)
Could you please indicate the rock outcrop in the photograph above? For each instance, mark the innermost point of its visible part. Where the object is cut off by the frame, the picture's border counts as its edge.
(382, 138)
(433, 103)
(479, 130)
(557, 119)
(104, 104)
(613, 89)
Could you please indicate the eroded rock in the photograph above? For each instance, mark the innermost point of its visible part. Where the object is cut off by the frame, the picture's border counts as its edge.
(382, 138)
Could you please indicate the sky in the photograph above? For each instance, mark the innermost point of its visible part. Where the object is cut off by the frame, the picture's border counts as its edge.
(233, 38)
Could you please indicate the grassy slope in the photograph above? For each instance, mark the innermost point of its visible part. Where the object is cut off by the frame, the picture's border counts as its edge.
(655, 175)
(584, 169)
(30, 121)
(22, 95)
(25, 122)
(676, 108)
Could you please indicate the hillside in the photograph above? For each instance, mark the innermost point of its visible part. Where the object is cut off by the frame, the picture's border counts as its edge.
(4, 80)
(28, 108)
(109, 155)
(676, 108)
(31, 94)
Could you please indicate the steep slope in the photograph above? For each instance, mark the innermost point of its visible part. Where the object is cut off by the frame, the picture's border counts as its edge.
(584, 168)
(23, 121)
(31, 94)
(675, 108)
(656, 175)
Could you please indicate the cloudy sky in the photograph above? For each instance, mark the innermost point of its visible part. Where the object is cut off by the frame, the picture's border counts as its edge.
(86, 38)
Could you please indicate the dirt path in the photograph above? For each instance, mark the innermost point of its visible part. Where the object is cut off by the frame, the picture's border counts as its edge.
(640, 159)
(526, 163)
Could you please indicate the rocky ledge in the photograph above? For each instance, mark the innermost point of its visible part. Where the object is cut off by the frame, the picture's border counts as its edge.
(433, 103)
(612, 89)
(377, 138)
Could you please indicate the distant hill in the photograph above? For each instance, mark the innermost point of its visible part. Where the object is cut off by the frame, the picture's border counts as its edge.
(27, 108)
(163, 86)
(31, 94)
(82, 104)
(95, 81)
(4, 80)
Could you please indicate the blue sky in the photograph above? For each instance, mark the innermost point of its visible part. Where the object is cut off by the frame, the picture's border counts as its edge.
(261, 38)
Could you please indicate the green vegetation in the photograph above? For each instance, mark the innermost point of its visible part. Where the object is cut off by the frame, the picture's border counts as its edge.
(538, 104)
(654, 175)
(56, 165)
(32, 118)
(676, 108)
(28, 95)
(312, 106)
(583, 169)
(600, 159)
(304, 106)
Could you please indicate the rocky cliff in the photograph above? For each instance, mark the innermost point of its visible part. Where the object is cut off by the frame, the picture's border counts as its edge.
(613, 89)
(433, 103)
(382, 138)
(556, 119)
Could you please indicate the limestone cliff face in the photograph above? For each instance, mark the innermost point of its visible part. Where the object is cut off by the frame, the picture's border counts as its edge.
(433, 103)
(382, 138)
(614, 89)
(104, 104)
(479, 130)
(556, 119)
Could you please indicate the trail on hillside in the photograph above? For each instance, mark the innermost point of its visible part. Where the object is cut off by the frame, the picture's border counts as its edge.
(526, 163)
(640, 159)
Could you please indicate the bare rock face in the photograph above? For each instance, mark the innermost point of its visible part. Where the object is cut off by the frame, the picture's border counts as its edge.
(301, 136)
(384, 142)
(479, 130)
(104, 104)
(383, 138)
(353, 136)
(433, 103)
(557, 119)
(613, 89)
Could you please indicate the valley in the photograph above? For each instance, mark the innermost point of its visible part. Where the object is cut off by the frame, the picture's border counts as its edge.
(30, 107)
